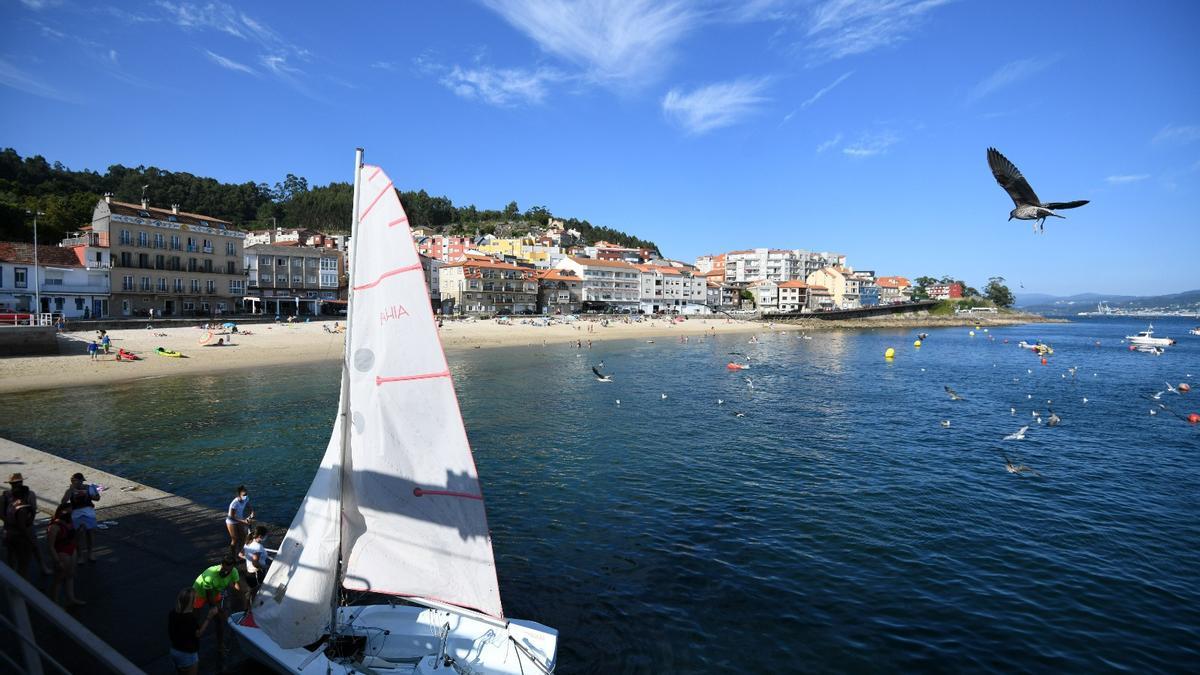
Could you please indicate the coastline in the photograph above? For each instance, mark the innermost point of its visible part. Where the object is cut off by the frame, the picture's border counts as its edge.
(285, 344)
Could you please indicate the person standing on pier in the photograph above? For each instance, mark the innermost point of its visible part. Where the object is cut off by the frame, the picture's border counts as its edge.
(210, 589)
(82, 498)
(237, 520)
(184, 629)
(60, 538)
(256, 557)
(18, 509)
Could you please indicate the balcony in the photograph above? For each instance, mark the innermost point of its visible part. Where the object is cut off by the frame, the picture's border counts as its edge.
(207, 249)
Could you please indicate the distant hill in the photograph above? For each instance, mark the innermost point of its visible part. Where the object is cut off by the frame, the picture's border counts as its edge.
(1086, 302)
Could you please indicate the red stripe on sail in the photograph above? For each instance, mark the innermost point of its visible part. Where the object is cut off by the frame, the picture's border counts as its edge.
(379, 380)
(403, 219)
(392, 273)
(363, 215)
(419, 492)
(376, 172)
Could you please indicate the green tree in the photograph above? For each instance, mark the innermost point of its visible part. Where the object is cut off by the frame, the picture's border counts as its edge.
(511, 211)
(998, 293)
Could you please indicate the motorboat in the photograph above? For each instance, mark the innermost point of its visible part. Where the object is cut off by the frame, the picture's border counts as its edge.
(387, 566)
(1195, 331)
(1146, 337)
(1039, 348)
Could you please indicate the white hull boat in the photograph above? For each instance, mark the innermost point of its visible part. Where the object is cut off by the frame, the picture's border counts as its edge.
(395, 513)
(1146, 337)
(1194, 331)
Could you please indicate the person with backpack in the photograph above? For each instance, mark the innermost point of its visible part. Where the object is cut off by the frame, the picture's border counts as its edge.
(18, 509)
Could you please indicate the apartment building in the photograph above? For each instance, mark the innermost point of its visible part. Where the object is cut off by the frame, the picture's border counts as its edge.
(559, 292)
(666, 288)
(481, 285)
(433, 280)
(65, 285)
(169, 261)
(603, 250)
(293, 280)
(841, 283)
(946, 291)
(893, 290)
(447, 249)
(745, 267)
(793, 296)
(766, 295)
(607, 284)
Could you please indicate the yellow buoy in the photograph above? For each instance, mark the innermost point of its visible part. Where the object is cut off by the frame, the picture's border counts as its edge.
(917, 343)
(890, 353)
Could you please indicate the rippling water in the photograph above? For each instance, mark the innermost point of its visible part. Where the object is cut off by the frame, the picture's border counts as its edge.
(837, 526)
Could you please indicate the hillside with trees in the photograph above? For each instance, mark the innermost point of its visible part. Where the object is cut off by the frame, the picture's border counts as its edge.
(66, 197)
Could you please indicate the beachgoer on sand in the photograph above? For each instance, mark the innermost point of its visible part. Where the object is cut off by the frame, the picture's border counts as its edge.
(93, 350)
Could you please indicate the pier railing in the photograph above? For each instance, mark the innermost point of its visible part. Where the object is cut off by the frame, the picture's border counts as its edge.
(25, 655)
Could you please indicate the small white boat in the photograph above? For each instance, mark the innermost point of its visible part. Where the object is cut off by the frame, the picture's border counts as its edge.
(394, 514)
(1146, 337)
(1195, 331)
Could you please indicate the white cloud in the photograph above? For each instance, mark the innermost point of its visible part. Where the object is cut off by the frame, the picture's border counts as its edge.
(613, 41)
(383, 65)
(504, 87)
(1009, 73)
(821, 92)
(840, 28)
(40, 4)
(1178, 134)
(229, 64)
(869, 145)
(112, 56)
(14, 77)
(1121, 180)
(715, 105)
(831, 143)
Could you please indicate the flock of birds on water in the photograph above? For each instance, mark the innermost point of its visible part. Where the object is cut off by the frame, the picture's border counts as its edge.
(1027, 206)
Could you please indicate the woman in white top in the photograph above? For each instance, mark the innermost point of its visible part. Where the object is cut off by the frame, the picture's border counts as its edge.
(237, 519)
(256, 557)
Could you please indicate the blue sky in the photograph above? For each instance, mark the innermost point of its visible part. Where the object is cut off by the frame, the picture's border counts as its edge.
(858, 126)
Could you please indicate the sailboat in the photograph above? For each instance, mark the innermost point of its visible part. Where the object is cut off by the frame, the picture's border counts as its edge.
(387, 566)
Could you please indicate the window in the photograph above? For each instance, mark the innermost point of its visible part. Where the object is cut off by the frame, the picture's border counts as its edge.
(127, 283)
(160, 262)
(189, 306)
(264, 260)
(220, 307)
(126, 259)
(210, 286)
(296, 279)
(235, 286)
(207, 246)
(230, 267)
(159, 240)
(143, 239)
(177, 286)
(78, 304)
(328, 279)
(191, 244)
(58, 304)
(208, 265)
(329, 264)
(145, 283)
(20, 277)
(195, 285)
(162, 284)
(144, 260)
(230, 248)
(173, 218)
(175, 242)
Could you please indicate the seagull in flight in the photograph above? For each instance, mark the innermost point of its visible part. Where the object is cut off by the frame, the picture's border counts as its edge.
(601, 377)
(1028, 206)
(1017, 468)
(720, 401)
(749, 382)
(953, 394)
(1019, 435)
(664, 396)
(1171, 388)
(945, 424)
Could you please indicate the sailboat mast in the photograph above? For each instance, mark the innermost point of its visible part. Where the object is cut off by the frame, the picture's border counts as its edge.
(344, 412)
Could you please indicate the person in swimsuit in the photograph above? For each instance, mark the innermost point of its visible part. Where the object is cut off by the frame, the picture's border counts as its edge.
(237, 520)
(82, 498)
(60, 538)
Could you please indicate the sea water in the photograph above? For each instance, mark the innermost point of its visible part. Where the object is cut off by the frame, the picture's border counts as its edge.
(820, 519)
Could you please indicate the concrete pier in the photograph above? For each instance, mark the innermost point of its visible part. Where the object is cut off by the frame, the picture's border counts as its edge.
(155, 544)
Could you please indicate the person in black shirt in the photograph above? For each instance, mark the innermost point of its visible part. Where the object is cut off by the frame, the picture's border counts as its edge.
(184, 629)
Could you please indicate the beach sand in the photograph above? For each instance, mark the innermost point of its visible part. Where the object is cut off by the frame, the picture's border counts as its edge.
(281, 344)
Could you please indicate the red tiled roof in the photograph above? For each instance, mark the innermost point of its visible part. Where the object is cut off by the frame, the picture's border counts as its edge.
(597, 262)
(793, 284)
(554, 274)
(819, 289)
(48, 256)
(892, 282)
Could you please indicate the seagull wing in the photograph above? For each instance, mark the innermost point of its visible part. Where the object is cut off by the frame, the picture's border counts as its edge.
(1066, 205)
(1009, 177)
(597, 372)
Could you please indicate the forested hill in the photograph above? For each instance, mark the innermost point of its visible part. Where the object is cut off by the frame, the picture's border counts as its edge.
(67, 198)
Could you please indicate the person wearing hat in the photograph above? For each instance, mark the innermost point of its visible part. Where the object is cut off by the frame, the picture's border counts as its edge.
(18, 509)
(82, 498)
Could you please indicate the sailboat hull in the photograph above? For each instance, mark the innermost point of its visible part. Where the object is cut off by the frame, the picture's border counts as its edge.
(407, 639)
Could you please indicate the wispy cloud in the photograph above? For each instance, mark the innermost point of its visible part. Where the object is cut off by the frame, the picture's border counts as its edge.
(869, 145)
(715, 105)
(383, 65)
(503, 87)
(127, 17)
(1178, 134)
(1132, 178)
(229, 63)
(841, 28)
(829, 144)
(15, 78)
(40, 4)
(1008, 74)
(825, 90)
(613, 41)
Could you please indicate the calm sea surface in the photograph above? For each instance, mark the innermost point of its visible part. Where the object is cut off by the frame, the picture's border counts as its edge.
(836, 526)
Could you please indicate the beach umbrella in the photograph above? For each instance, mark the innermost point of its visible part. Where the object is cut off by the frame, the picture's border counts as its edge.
(229, 324)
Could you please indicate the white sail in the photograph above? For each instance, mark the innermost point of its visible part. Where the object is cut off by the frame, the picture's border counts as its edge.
(414, 522)
(292, 606)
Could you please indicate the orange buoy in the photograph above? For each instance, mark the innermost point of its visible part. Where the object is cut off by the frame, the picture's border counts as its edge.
(1194, 418)
(1043, 360)
(735, 366)
(1184, 387)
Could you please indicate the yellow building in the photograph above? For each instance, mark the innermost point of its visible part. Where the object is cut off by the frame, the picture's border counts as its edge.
(842, 287)
(521, 248)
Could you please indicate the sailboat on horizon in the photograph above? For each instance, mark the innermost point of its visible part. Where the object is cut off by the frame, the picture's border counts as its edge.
(395, 515)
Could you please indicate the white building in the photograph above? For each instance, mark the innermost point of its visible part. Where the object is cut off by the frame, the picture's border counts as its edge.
(610, 283)
(745, 267)
(666, 288)
(65, 284)
(766, 295)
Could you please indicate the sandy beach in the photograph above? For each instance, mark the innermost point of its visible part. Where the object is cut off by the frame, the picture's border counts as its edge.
(280, 344)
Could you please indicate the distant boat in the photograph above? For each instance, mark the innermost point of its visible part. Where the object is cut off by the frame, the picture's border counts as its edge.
(1195, 331)
(1146, 337)
(395, 508)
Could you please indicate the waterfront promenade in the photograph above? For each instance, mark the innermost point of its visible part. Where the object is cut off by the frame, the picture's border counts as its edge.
(158, 545)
